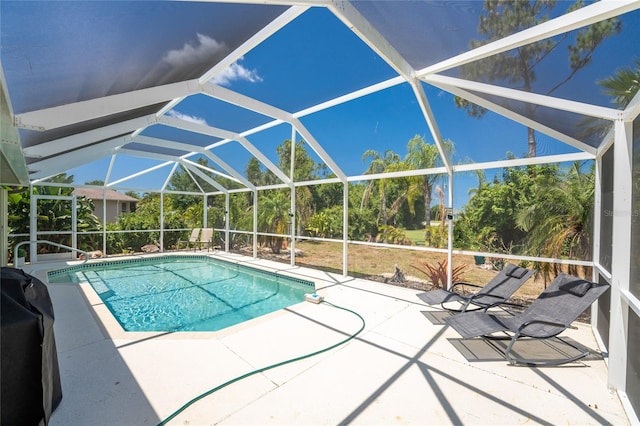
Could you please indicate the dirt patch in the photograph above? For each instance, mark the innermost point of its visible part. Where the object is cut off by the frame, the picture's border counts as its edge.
(378, 264)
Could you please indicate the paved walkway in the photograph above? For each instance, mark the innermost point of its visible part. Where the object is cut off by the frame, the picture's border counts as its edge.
(403, 368)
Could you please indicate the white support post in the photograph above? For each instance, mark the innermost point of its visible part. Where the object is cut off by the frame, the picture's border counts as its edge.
(74, 223)
(162, 221)
(450, 239)
(621, 253)
(345, 229)
(226, 222)
(597, 218)
(104, 220)
(205, 211)
(255, 223)
(107, 178)
(292, 212)
(33, 225)
(4, 226)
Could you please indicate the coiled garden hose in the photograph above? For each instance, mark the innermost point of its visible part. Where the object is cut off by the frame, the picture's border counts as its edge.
(251, 373)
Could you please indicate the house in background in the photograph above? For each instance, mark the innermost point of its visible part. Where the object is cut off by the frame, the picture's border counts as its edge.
(117, 203)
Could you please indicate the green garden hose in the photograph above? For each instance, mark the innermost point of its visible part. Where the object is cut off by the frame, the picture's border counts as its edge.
(251, 373)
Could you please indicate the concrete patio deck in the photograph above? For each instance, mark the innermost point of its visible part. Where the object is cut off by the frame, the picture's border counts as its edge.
(404, 368)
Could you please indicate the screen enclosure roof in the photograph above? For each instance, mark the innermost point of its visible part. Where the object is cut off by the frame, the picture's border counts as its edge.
(120, 91)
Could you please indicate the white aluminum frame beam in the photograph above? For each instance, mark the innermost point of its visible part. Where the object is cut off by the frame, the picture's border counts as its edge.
(239, 177)
(313, 143)
(243, 101)
(75, 158)
(147, 154)
(193, 150)
(527, 97)
(64, 115)
(398, 174)
(360, 93)
(633, 109)
(584, 16)
(263, 159)
(140, 173)
(526, 161)
(246, 102)
(210, 170)
(89, 137)
(195, 181)
(274, 26)
(432, 123)
(273, 2)
(621, 252)
(354, 20)
(189, 166)
(395, 81)
(518, 118)
(107, 178)
(168, 179)
(166, 143)
(225, 134)
(349, 15)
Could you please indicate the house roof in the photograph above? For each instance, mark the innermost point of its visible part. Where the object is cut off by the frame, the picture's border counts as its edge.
(98, 194)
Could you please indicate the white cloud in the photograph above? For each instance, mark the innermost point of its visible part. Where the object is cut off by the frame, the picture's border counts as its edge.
(185, 117)
(236, 72)
(205, 48)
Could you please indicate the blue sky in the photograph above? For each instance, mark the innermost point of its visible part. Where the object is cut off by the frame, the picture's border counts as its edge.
(316, 58)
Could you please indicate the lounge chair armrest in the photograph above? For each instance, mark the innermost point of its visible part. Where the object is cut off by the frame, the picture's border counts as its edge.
(500, 303)
(505, 303)
(476, 296)
(461, 283)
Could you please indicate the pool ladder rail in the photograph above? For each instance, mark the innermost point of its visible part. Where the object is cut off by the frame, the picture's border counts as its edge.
(17, 263)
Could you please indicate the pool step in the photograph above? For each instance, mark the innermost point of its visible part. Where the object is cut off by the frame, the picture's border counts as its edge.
(98, 284)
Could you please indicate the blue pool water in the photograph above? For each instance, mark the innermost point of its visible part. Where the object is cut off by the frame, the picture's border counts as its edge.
(185, 294)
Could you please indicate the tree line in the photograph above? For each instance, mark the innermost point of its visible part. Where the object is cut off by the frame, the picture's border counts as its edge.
(542, 210)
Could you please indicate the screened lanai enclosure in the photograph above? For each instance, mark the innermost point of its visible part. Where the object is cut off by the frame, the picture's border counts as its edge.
(501, 130)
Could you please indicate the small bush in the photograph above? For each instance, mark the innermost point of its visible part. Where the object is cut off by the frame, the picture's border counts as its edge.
(390, 235)
(437, 273)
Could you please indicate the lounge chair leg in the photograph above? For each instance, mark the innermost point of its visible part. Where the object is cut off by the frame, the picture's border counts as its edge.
(532, 363)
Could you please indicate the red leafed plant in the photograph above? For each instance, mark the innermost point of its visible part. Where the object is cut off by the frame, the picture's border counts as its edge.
(437, 272)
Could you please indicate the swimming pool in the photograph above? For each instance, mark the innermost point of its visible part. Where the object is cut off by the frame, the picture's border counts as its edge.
(185, 293)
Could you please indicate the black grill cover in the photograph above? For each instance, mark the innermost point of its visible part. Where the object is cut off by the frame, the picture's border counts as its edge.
(30, 375)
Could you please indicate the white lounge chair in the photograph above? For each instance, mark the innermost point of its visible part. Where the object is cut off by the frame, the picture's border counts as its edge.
(193, 238)
(206, 238)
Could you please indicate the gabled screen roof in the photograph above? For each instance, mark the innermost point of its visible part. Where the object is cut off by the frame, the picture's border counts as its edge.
(175, 81)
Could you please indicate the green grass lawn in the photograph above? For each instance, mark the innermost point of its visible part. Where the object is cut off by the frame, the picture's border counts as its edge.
(415, 235)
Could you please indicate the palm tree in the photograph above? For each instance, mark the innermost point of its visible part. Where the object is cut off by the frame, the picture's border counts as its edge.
(579, 189)
(558, 221)
(305, 168)
(379, 164)
(273, 217)
(482, 180)
(421, 155)
(623, 85)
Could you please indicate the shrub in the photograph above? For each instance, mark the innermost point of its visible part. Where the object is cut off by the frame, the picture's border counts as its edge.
(391, 235)
(437, 273)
